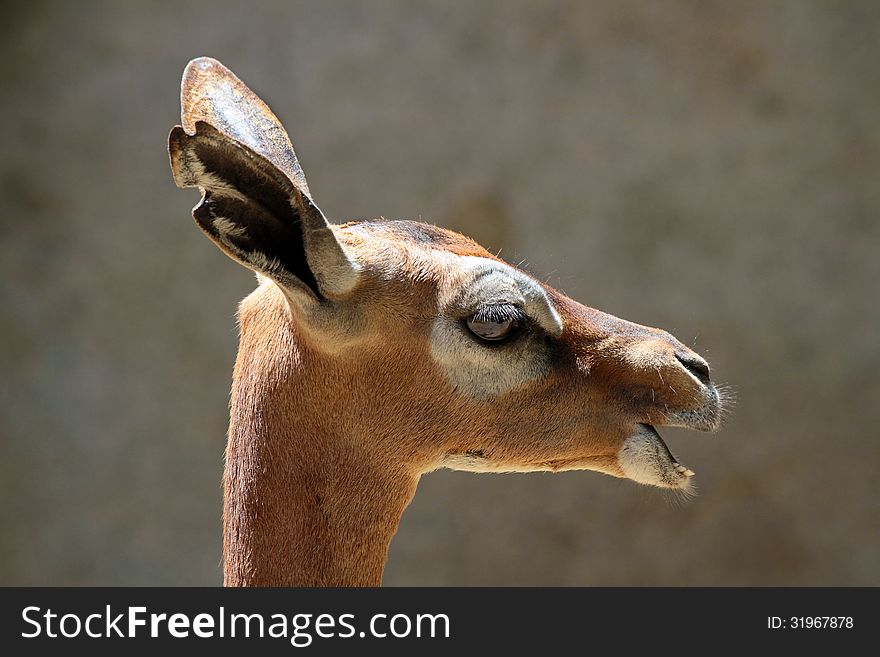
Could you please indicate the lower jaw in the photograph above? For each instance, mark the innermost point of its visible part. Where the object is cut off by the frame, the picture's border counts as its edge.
(646, 459)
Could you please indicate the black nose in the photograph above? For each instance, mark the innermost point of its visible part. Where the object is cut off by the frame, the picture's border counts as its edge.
(695, 365)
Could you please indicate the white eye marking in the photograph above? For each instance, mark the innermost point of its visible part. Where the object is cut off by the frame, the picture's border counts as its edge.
(481, 282)
(471, 367)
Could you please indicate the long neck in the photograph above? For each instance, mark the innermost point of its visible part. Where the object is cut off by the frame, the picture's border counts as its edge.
(305, 504)
(306, 519)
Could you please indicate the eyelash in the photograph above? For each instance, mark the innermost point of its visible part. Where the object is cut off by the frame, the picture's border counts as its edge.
(499, 313)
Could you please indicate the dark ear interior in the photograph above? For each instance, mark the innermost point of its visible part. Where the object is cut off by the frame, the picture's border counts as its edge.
(249, 208)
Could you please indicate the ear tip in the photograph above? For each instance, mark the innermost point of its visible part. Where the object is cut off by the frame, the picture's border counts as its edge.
(203, 71)
(198, 74)
(205, 86)
(203, 59)
(203, 64)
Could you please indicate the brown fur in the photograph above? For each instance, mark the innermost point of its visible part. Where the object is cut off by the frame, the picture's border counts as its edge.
(325, 451)
(338, 402)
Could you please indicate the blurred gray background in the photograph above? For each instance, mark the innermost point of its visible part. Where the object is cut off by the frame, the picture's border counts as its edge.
(707, 167)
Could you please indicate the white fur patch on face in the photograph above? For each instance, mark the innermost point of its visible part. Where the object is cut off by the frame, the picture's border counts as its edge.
(480, 370)
(480, 281)
(484, 372)
(645, 459)
(470, 462)
(466, 463)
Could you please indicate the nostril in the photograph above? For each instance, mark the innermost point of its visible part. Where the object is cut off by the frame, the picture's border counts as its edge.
(695, 365)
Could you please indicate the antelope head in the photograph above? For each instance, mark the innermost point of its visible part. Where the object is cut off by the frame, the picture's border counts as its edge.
(400, 347)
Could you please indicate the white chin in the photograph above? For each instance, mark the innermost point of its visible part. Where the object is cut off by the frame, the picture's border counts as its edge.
(644, 458)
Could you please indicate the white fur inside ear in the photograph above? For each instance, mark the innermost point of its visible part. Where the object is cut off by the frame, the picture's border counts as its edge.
(228, 229)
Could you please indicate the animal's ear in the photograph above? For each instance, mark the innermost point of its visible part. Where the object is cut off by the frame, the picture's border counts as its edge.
(255, 202)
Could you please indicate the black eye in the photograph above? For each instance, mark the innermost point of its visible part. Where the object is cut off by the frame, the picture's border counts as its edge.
(494, 323)
(490, 330)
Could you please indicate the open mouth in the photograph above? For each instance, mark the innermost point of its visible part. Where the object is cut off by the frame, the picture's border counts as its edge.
(646, 459)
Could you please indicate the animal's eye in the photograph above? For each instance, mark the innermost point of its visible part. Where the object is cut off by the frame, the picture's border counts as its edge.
(490, 330)
(494, 323)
